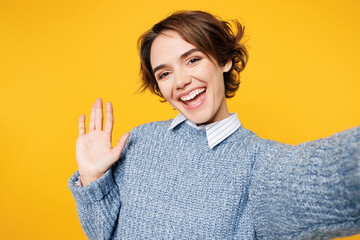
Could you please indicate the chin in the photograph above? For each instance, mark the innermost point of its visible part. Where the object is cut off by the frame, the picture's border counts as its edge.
(200, 119)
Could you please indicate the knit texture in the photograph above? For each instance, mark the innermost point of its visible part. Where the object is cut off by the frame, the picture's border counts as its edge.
(168, 184)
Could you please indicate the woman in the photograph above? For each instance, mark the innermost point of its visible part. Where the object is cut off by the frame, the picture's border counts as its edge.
(202, 175)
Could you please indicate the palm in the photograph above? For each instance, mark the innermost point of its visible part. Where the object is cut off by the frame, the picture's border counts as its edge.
(94, 151)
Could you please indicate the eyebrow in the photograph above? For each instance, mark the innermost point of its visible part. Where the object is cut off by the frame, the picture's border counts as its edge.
(184, 55)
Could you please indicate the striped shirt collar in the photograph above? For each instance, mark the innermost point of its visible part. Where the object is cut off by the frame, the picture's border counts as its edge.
(215, 132)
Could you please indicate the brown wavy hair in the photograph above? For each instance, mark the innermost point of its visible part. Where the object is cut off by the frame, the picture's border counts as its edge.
(209, 34)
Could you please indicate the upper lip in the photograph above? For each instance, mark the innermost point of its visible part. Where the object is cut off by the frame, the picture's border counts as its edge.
(186, 93)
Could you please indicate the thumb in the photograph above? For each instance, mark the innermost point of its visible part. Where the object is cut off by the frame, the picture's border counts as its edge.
(120, 145)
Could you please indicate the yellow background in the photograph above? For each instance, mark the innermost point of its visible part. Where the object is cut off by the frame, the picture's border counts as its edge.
(57, 57)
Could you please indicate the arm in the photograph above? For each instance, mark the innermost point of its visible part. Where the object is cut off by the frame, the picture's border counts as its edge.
(98, 205)
(309, 191)
(98, 201)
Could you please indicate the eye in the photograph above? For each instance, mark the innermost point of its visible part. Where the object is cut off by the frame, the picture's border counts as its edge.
(162, 75)
(193, 60)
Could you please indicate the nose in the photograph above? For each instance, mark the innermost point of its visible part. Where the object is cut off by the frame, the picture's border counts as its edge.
(181, 80)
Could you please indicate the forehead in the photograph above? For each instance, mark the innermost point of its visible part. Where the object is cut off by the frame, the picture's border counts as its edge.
(168, 46)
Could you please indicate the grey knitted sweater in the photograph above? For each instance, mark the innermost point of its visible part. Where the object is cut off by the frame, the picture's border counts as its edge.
(168, 184)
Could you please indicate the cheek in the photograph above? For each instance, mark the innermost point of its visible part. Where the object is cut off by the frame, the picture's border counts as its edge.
(220, 84)
(207, 72)
(200, 73)
(165, 89)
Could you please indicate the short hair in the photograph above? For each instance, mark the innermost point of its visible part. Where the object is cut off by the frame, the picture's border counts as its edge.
(209, 34)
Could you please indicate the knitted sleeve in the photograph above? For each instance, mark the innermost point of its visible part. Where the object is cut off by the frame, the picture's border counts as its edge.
(98, 205)
(308, 191)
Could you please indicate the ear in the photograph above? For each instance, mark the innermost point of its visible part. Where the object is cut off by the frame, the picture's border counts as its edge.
(227, 65)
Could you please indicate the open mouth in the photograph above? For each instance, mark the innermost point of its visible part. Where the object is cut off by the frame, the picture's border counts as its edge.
(194, 98)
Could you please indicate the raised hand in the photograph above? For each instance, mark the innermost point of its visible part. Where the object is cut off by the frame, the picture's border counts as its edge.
(94, 152)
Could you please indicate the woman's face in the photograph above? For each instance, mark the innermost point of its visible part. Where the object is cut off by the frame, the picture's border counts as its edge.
(189, 80)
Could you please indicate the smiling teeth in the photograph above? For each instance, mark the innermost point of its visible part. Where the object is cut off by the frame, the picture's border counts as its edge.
(192, 94)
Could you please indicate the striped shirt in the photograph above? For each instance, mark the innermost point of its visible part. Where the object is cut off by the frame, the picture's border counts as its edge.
(215, 132)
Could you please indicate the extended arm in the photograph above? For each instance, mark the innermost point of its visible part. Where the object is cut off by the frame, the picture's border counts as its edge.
(309, 191)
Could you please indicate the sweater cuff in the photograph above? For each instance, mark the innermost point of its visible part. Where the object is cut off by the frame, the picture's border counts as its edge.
(93, 192)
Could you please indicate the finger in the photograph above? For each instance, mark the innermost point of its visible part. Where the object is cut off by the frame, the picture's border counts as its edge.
(120, 145)
(109, 123)
(92, 118)
(98, 114)
(82, 129)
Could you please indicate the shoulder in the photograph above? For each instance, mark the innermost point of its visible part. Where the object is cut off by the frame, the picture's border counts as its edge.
(151, 127)
(250, 138)
(145, 136)
(148, 133)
